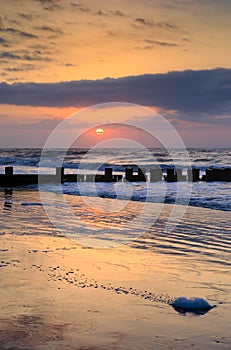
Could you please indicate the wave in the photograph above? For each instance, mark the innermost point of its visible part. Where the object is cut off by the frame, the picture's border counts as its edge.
(208, 195)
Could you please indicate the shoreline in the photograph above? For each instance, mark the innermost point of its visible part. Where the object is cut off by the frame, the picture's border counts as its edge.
(201, 233)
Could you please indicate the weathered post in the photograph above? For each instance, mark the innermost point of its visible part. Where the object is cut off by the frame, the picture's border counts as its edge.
(60, 174)
(171, 176)
(218, 174)
(141, 174)
(129, 174)
(179, 174)
(80, 177)
(9, 173)
(210, 175)
(90, 178)
(156, 175)
(108, 174)
(226, 174)
(193, 175)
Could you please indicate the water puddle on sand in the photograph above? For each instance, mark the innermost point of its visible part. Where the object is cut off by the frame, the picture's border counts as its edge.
(204, 234)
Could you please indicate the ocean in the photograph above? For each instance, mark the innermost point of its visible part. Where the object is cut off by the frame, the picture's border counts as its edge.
(202, 194)
(108, 214)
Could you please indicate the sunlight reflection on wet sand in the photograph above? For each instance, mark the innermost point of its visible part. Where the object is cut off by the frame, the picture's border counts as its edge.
(57, 294)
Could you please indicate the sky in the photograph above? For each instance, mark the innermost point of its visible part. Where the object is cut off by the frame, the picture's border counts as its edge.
(58, 57)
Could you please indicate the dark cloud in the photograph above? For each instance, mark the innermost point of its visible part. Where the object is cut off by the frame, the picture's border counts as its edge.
(194, 95)
(18, 32)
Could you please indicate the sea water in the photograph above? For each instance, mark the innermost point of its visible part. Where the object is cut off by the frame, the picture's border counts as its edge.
(202, 194)
(200, 226)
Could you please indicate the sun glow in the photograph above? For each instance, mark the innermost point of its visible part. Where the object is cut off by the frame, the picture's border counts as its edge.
(99, 131)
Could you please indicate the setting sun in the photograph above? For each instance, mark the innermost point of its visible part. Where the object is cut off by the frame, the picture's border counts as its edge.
(99, 131)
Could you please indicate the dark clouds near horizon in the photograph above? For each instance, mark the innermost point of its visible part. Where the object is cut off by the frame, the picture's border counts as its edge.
(194, 95)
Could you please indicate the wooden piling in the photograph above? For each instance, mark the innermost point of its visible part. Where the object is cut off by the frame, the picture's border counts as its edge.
(193, 175)
(108, 174)
(129, 174)
(156, 175)
(218, 175)
(80, 177)
(117, 178)
(60, 174)
(171, 175)
(178, 174)
(141, 175)
(9, 173)
(226, 175)
(90, 178)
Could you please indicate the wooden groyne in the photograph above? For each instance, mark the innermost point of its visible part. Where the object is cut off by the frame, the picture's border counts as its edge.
(9, 179)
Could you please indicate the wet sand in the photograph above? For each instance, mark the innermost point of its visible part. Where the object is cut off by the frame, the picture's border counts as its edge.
(57, 294)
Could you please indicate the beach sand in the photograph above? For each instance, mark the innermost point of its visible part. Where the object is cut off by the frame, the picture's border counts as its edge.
(57, 294)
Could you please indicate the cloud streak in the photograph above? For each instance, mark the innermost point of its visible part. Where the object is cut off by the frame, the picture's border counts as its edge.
(49, 29)
(153, 43)
(4, 42)
(116, 13)
(25, 55)
(80, 7)
(26, 16)
(143, 22)
(18, 32)
(49, 5)
(21, 68)
(194, 95)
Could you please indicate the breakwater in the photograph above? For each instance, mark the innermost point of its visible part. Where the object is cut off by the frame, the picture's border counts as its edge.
(131, 174)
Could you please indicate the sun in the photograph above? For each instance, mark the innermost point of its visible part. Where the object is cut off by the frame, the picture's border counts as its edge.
(99, 131)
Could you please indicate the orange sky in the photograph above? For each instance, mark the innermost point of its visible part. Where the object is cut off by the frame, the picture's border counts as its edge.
(71, 40)
(68, 40)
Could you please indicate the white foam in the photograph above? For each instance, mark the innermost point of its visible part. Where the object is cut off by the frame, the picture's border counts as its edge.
(191, 304)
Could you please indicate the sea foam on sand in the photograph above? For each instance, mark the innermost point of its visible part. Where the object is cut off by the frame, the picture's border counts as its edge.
(192, 304)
